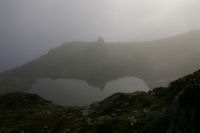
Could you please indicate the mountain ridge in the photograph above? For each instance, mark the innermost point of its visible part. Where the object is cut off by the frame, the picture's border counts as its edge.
(97, 63)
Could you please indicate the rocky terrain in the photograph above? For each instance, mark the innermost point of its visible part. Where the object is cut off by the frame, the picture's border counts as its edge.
(172, 109)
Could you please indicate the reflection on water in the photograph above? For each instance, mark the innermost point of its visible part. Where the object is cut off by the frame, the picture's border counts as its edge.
(78, 92)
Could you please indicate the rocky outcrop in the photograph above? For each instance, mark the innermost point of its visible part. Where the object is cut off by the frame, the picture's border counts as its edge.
(172, 109)
(185, 112)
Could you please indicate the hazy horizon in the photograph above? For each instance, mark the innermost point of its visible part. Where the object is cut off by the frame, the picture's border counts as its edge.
(30, 28)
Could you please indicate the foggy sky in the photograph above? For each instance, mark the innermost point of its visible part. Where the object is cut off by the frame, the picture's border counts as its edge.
(28, 28)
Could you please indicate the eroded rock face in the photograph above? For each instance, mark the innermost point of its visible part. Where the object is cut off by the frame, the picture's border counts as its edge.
(185, 116)
(184, 120)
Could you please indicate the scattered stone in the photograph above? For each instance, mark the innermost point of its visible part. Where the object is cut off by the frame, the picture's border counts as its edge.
(113, 114)
(132, 119)
(132, 124)
(101, 118)
(145, 110)
(45, 127)
(69, 117)
(49, 112)
(85, 111)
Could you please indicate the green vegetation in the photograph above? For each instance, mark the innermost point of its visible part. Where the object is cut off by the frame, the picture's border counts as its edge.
(173, 109)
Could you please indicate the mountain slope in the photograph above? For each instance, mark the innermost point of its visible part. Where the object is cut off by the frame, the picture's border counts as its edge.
(173, 109)
(98, 62)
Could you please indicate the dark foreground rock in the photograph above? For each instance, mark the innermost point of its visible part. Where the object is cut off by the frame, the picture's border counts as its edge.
(174, 109)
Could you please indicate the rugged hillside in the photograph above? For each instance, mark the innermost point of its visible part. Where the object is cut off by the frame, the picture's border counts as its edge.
(156, 62)
(173, 109)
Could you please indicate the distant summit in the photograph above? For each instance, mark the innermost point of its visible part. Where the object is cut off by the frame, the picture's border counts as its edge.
(100, 40)
(99, 62)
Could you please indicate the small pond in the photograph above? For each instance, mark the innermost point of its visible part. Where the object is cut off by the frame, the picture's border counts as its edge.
(78, 92)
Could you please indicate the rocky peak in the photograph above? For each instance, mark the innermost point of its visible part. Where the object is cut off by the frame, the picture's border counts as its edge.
(100, 40)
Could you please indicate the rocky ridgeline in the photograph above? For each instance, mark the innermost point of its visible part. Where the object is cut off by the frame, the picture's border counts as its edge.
(173, 109)
(155, 62)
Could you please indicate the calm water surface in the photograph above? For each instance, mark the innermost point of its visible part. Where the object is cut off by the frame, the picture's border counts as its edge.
(78, 92)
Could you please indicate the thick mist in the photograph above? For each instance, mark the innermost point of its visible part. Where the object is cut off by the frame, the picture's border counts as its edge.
(28, 29)
(99, 66)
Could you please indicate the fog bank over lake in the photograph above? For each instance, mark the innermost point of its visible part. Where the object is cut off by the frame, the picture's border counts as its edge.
(78, 92)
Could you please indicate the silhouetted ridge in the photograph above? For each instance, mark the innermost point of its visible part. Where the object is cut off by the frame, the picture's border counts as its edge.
(156, 62)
